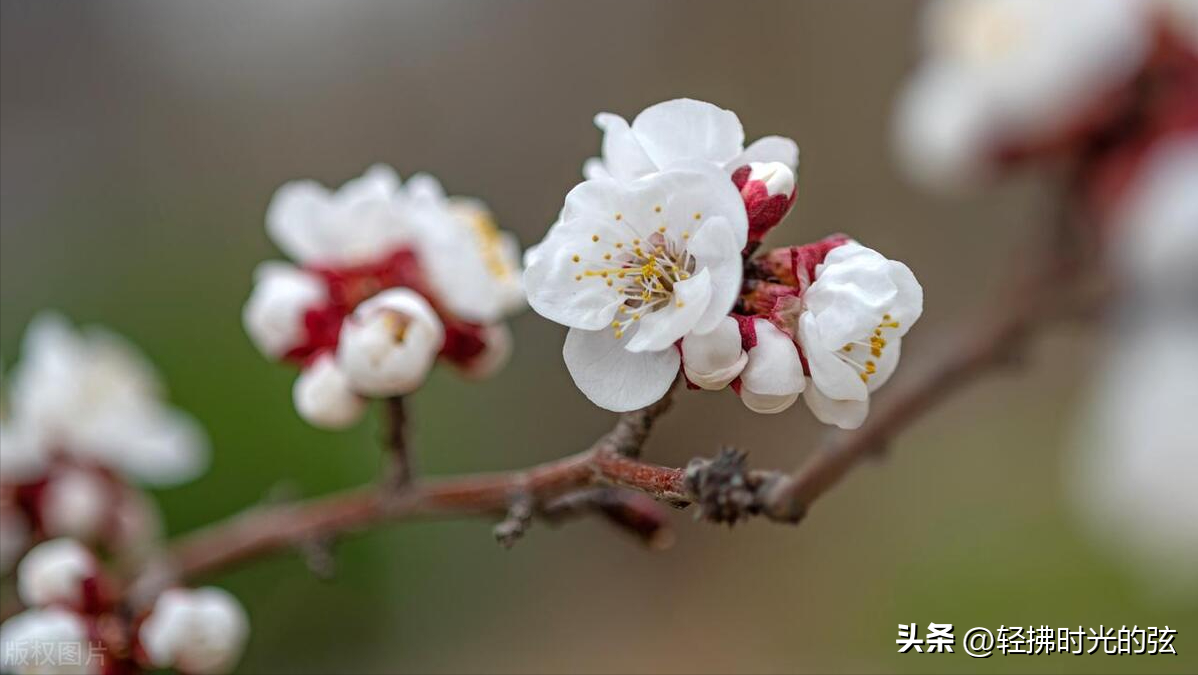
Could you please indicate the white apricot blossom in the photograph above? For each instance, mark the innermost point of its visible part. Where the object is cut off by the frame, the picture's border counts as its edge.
(26, 637)
(274, 314)
(850, 329)
(389, 344)
(198, 632)
(323, 397)
(53, 573)
(677, 132)
(94, 397)
(714, 359)
(773, 377)
(1003, 73)
(634, 266)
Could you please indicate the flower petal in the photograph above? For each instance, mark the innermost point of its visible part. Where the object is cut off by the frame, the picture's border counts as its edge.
(556, 277)
(614, 378)
(715, 358)
(685, 129)
(844, 414)
(769, 149)
(829, 372)
(774, 367)
(623, 156)
(716, 249)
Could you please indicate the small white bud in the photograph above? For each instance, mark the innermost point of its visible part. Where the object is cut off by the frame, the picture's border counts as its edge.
(76, 503)
(773, 378)
(197, 632)
(274, 314)
(776, 176)
(389, 343)
(55, 629)
(323, 398)
(712, 360)
(53, 572)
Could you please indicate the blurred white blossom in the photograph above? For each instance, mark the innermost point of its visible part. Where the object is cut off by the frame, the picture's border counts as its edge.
(389, 343)
(54, 573)
(59, 630)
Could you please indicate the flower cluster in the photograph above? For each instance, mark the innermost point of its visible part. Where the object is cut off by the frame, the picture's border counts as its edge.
(389, 277)
(71, 626)
(1005, 82)
(86, 420)
(650, 266)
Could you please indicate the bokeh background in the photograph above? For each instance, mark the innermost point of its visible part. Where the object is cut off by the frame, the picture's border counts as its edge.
(141, 142)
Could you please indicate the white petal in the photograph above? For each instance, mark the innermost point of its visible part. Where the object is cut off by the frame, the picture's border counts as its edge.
(774, 367)
(661, 328)
(157, 446)
(842, 413)
(389, 344)
(908, 301)
(833, 375)
(942, 130)
(767, 404)
(552, 281)
(715, 358)
(769, 149)
(323, 397)
(274, 315)
(623, 156)
(685, 129)
(23, 455)
(700, 190)
(716, 248)
(853, 289)
(294, 216)
(595, 168)
(613, 377)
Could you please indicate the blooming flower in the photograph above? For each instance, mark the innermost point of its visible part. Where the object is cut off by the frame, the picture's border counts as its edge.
(634, 266)
(1001, 77)
(197, 632)
(54, 628)
(93, 397)
(850, 329)
(354, 244)
(681, 131)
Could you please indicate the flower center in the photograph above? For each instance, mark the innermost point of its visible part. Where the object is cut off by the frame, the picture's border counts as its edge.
(642, 271)
(863, 355)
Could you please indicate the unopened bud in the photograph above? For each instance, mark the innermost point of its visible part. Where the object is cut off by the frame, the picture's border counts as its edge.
(389, 343)
(712, 360)
(274, 314)
(56, 572)
(197, 632)
(773, 377)
(323, 397)
(795, 265)
(768, 190)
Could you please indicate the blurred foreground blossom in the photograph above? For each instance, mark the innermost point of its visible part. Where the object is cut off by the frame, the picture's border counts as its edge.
(651, 265)
(72, 611)
(86, 416)
(1134, 460)
(334, 314)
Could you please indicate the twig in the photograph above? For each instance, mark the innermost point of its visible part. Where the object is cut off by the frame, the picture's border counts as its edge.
(399, 464)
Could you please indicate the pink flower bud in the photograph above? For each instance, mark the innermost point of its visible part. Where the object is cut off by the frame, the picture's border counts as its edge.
(768, 189)
(57, 572)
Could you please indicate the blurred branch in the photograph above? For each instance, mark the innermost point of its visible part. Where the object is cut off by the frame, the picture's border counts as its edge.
(396, 443)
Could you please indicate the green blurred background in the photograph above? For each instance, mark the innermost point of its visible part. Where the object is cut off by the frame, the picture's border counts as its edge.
(143, 140)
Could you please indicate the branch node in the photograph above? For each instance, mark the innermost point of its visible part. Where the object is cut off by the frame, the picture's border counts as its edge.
(519, 518)
(724, 489)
